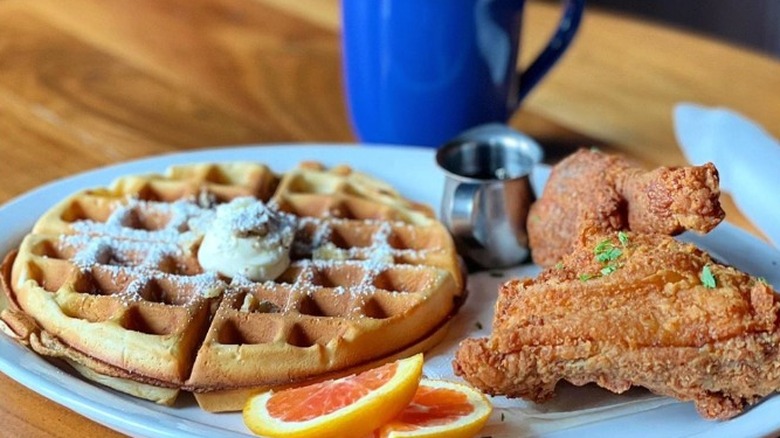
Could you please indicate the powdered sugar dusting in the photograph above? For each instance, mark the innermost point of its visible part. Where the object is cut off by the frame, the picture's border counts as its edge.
(140, 237)
(248, 216)
(108, 250)
(207, 284)
(121, 247)
(184, 221)
(247, 238)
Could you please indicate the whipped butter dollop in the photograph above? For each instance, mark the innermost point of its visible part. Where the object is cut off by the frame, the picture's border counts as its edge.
(248, 239)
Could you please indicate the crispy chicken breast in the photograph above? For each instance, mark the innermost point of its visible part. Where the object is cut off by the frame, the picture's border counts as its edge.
(629, 309)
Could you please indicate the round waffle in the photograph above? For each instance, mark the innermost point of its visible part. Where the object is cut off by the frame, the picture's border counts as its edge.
(109, 280)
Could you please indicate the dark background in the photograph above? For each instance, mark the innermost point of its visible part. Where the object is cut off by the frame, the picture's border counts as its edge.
(753, 24)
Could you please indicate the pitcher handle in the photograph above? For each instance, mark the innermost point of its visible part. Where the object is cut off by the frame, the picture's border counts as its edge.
(462, 213)
(567, 27)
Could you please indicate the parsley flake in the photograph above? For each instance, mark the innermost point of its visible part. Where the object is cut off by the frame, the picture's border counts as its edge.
(623, 238)
(606, 252)
(606, 270)
(496, 274)
(609, 255)
(706, 277)
(762, 280)
(502, 416)
(602, 246)
(479, 325)
(559, 266)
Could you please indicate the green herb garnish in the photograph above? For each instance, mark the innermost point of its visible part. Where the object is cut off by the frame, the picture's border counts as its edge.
(585, 277)
(502, 416)
(609, 255)
(559, 266)
(706, 277)
(606, 270)
(606, 251)
(479, 325)
(496, 274)
(602, 246)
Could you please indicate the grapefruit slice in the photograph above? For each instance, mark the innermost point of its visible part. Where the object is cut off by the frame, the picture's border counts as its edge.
(351, 406)
(441, 409)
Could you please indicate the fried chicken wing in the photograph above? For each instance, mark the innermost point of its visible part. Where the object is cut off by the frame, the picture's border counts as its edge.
(629, 309)
(603, 192)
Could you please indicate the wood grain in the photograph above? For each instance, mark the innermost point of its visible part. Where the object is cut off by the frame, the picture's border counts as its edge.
(26, 414)
(621, 79)
(240, 55)
(85, 83)
(617, 85)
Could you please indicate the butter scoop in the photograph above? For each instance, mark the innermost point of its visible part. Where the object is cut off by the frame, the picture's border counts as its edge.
(248, 239)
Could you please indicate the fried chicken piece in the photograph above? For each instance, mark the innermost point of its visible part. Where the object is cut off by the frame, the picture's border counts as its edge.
(627, 309)
(590, 189)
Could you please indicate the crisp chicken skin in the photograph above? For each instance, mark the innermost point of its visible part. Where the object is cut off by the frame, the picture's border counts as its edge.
(640, 316)
(603, 192)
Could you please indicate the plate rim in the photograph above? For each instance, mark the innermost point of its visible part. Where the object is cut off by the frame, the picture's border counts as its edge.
(114, 417)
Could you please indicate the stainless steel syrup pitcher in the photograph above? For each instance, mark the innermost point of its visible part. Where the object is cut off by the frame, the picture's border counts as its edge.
(487, 193)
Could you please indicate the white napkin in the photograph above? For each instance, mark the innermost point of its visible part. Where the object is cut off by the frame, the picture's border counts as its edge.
(747, 158)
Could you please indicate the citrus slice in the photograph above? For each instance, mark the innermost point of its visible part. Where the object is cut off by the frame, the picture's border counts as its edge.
(441, 409)
(351, 406)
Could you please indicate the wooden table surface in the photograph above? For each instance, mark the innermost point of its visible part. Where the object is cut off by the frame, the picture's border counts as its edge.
(85, 83)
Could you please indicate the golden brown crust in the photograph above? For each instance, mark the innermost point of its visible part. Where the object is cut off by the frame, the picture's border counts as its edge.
(593, 191)
(651, 322)
(8, 299)
(373, 274)
(44, 343)
(233, 399)
(13, 321)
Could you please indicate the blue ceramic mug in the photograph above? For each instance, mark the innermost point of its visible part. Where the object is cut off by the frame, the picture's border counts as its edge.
(419, 72)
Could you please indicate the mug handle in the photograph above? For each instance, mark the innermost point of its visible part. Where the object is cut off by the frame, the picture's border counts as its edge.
(567, 27)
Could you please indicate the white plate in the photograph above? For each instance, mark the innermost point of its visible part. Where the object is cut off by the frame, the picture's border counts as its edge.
(413, 172)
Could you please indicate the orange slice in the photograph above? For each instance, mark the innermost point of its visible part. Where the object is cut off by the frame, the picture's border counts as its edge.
(441, 409)
(351, 406)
